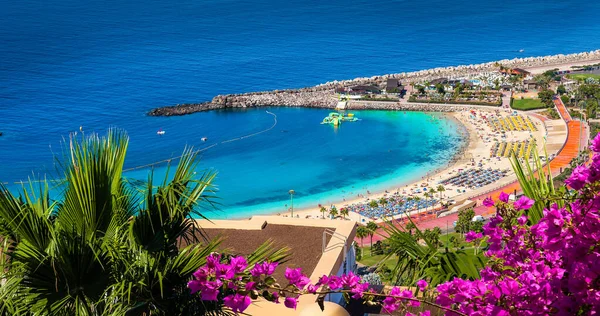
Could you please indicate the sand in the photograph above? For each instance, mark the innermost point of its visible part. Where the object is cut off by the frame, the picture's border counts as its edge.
(481, 139)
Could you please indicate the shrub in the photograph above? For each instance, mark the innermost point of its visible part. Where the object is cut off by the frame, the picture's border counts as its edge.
(372, 279)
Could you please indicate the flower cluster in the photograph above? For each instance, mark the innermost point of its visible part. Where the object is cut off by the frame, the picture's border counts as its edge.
(550, 268)
(235, 285)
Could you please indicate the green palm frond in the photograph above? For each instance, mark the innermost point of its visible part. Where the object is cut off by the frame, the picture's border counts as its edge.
(535, 182)
(426, 260)
(104, 248)
(94, 195)
(268, 251)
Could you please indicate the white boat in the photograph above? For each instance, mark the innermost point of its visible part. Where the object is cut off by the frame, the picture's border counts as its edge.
(160, 132)
(204, 139)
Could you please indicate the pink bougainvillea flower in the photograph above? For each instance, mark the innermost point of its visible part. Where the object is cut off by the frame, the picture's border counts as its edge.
(595, 147)
(290, 302)
(524, 203)
(470, 236)
(578, 178)
(238, 264)
(238, 303)
(266, 268)
(504, 197)
(422, 284)
(488, 202)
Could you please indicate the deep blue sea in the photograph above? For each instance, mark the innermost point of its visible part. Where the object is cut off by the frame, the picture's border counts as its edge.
(101, 64)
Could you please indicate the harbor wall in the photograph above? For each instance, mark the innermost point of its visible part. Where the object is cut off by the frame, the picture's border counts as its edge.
(323, 95)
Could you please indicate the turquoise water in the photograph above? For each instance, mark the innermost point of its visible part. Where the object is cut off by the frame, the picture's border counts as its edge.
(322, 163)
(105, 63)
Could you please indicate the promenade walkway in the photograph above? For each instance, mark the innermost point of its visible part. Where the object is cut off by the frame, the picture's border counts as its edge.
(568, 152)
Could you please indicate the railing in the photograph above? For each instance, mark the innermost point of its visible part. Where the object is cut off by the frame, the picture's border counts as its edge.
(333, 234)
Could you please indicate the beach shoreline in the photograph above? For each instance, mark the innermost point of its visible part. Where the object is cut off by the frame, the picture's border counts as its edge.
(468, 143)
(476, 149)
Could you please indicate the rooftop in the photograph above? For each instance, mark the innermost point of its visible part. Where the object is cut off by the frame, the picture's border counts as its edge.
(305, 243)
(303, 236)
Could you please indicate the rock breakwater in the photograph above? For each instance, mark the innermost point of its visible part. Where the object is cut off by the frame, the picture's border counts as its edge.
(323, 95)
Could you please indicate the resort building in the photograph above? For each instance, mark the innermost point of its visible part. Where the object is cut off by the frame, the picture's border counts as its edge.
(320, 247)
(530, 84)
(363, 89)
(515, 72)
(393, 86)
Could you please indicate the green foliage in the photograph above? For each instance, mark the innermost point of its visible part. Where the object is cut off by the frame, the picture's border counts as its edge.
(591, 108)
(527, 104)
(546, 97)
(344, 212)
(535, 185)
(373, 279)
(463, 224)
(362, 232)
(416, 261)
(373, 204)
(552, 113)
(358, 251)
(433, 236)
(561, 90)
(371, 228)
(106, 247)
(594, 129)
(583, 77)
(543, 80)
(377, 248)
(476, 226)
(333, 212)
(440, 88)
(565, 99)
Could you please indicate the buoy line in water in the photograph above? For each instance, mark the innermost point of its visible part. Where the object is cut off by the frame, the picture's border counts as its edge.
(209, 147)
(192, 153)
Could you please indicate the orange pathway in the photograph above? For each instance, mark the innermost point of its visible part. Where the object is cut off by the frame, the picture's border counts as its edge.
(563, 159)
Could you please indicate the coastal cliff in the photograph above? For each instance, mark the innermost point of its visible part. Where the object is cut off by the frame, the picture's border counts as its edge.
(323, 95)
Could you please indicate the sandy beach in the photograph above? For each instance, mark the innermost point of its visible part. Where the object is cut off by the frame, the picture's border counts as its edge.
(476, 154)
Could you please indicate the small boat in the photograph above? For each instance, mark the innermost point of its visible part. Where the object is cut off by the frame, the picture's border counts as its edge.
(1, 133)
(160, 132)
(204, 139)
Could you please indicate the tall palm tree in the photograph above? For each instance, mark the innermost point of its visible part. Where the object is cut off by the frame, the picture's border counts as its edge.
(344, 212)
(441, 189)
(106, 246)
(362, 232)
(323, 210)
(417, 199)
(333, 212)
(427, 195)
(372, 227)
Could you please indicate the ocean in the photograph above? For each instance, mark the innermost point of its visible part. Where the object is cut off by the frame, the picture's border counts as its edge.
(100, 64)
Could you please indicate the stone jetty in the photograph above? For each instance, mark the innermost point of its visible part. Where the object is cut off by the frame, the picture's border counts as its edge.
(323, 95)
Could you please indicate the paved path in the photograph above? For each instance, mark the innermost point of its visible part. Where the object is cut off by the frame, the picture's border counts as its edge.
(568, 152)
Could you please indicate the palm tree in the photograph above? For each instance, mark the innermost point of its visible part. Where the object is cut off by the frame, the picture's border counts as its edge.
(427, 195)
(372, 227)
(344, 212)
(441, 189)
(415, 261)
(362, 232)
(106, 246)
(542, 81)
(417, 199)
(323, 210)
(333, 212)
